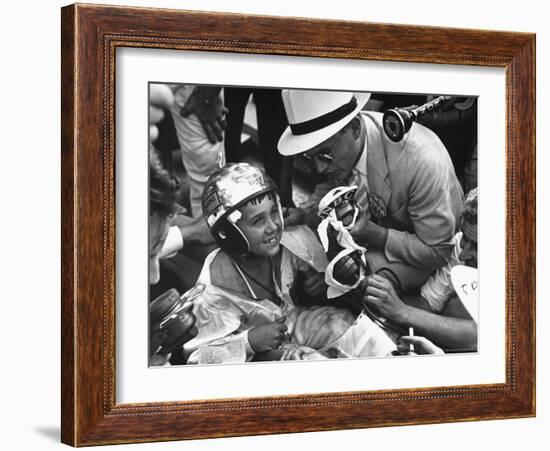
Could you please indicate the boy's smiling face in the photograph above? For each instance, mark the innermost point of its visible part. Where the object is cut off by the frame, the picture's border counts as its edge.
(262, 225)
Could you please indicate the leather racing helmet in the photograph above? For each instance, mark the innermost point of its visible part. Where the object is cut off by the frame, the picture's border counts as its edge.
(227, 189)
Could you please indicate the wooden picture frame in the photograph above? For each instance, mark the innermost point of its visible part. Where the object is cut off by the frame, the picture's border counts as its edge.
(90, 36)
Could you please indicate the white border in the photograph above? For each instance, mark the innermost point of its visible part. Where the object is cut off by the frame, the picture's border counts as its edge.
(137, 383)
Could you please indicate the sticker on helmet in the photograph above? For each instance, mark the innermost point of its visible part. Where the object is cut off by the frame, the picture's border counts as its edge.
(212, 207)
(211, 202)
(234, 216)
(252, 179)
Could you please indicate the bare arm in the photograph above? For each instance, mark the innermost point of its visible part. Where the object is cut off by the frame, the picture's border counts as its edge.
(448, 332)
(193, 229)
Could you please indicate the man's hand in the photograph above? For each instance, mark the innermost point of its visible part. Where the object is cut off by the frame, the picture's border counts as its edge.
(156, 341)
(193, 229)
(367, 231)
(293, 216)
(314, 284)
(381, 295)
(421, 345)
(210, 110)
(268, 336)
(160, 98)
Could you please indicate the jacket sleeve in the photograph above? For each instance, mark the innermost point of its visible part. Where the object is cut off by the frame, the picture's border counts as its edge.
(434, 203)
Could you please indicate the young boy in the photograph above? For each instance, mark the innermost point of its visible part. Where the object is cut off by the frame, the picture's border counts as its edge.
(242, 208)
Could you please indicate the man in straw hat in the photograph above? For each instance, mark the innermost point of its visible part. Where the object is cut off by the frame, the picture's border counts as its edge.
(408, 192)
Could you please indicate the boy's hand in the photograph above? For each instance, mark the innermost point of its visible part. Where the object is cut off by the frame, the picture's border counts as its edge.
(268, 336)
(381, 295)
(314, 283)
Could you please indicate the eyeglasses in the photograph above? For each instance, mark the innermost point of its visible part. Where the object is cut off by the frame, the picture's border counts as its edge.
(323, 155)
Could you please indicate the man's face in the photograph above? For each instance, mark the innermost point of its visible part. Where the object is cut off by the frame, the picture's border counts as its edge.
(336, 156)
(468, 244)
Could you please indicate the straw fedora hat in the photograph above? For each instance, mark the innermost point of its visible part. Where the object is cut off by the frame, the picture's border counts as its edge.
(315, 116)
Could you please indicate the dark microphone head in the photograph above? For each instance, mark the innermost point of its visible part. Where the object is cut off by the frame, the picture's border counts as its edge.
(346, 270)
(397, 122)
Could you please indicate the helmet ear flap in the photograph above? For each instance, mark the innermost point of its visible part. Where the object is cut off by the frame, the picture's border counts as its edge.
(231, 239)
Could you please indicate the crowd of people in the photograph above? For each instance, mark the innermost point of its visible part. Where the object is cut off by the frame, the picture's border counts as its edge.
(276, 280)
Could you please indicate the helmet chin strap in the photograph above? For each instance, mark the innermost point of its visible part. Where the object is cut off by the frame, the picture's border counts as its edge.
(233, 217)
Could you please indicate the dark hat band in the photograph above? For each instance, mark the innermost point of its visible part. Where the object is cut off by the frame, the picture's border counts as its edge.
(318, 123)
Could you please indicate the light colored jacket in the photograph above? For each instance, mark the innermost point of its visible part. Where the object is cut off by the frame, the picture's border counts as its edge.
(416, 181)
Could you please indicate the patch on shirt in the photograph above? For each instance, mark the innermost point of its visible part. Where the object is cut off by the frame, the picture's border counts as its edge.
(377, 207)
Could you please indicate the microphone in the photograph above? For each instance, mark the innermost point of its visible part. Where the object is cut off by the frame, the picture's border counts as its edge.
(398, 121)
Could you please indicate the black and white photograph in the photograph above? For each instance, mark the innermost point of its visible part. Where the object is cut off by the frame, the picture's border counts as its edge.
(294, 224)
(254, 225)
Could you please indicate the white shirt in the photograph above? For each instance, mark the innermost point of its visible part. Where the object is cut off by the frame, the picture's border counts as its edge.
(438, 289)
